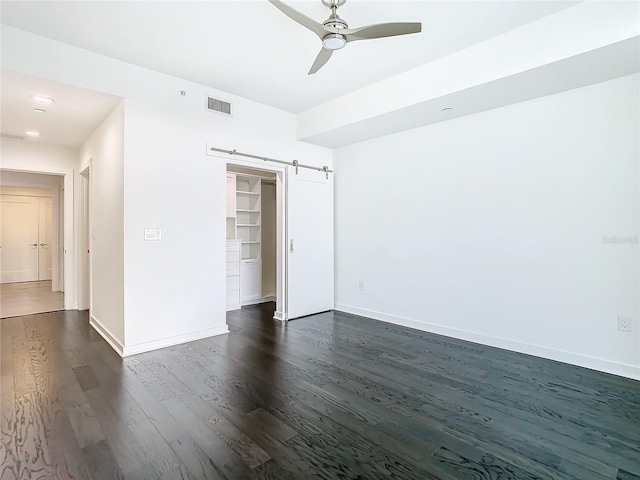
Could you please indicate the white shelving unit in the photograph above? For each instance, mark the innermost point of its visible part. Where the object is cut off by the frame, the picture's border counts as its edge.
(233, 247)
(231, 206)
(233, 274)
(249, 233)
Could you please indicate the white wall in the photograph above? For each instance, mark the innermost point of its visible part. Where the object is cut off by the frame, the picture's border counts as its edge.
(174, 289)
(490, 227)
(104, 153)
(26, 156)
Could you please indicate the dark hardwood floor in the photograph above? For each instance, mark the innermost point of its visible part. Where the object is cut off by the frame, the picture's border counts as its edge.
(330, 396)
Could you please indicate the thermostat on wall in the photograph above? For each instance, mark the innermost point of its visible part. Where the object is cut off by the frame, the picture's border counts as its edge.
(153, 234)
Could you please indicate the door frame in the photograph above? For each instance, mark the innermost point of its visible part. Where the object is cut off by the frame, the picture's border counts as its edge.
(56, 194)
(85, 285)
(67, 247)
(280, 313)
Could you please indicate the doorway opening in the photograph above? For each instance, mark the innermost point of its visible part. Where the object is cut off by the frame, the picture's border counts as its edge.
(255, 238)
(31, 243)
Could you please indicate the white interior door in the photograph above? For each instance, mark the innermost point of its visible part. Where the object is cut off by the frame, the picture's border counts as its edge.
(18, 239)
(45, 236)
(310, 242)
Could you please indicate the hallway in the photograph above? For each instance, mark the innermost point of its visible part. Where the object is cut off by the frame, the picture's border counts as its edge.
(27, 298)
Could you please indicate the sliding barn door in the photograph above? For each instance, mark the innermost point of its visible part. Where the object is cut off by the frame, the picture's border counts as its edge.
(309, 243)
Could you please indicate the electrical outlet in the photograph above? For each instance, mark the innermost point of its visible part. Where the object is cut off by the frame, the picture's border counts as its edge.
(624, 323)
(361, 285)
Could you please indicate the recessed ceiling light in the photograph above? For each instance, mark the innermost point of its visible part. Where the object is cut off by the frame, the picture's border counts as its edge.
(32, 133)
(40, 110)
(42, 99)
(447, 109)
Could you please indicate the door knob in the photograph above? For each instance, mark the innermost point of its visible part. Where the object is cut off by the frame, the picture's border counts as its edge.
(34, 244)
(43, 244)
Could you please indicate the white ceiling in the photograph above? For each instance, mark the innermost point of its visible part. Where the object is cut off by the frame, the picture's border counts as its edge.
(69, 121)
(251, 49)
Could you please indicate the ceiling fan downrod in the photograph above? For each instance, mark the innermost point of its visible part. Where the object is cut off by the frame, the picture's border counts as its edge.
(334, 19)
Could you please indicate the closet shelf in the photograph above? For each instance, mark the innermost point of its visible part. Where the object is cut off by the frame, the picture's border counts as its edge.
(250, 241)
(239, 192)
(247, 225)
(250, 211)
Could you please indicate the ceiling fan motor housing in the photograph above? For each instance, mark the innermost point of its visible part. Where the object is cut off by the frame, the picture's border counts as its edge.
(333, 3)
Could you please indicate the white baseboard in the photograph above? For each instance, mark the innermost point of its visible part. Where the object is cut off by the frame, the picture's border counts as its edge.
(280, 316)
(176, 340)
(256, 301)
(607, 366)
(106, 334)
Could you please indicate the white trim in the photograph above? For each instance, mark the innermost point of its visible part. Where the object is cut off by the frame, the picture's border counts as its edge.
(280, 316)
(253, 301)
(281, 217)
(170, 341)
(594, 363)
(69, 280)
(106, 334)
(256, 301)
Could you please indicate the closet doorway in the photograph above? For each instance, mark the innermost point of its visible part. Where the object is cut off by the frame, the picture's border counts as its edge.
(254, 270)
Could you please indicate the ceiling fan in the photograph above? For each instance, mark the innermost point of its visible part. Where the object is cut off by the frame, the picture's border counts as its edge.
(335, 33)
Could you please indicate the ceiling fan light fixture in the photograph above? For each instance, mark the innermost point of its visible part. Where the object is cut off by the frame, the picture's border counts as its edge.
(334, 41)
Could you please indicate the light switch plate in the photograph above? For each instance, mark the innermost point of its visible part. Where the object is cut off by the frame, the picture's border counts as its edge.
(153, 234)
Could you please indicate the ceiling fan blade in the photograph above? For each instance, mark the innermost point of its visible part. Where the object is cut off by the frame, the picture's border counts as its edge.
(382, 30)
(317, 28)
(322, 58)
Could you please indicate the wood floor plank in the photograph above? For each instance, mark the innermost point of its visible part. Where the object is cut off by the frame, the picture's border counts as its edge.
(271, 470)
(204, 406)
(125, 447)
(101, 465)
(162, 458)
(226, 459)
(145, 472)
(624, 475)
(327, 396)
(487, 467)
(8, 453)
(86, 378)
(196, 460)
(30, 446)
(85, 424)
(271, 425)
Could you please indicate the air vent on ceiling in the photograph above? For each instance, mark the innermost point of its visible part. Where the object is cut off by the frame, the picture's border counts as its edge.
(10, 135)
(220, 106)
